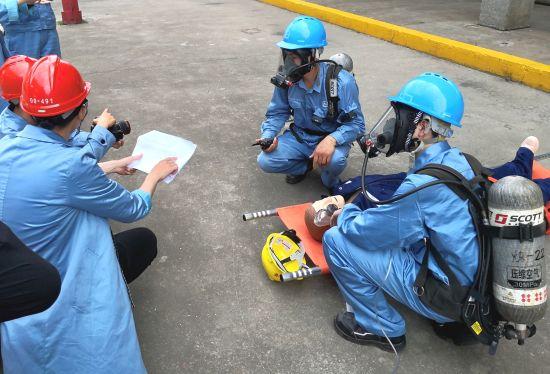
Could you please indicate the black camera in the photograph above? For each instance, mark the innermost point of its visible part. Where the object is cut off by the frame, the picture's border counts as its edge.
(119, 129)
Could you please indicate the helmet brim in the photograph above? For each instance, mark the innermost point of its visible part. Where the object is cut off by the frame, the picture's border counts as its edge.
(291, 46)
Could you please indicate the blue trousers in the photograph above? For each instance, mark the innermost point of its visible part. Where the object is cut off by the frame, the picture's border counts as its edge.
(291, 157)
(34, 44)
(522, 165)
(363, 276)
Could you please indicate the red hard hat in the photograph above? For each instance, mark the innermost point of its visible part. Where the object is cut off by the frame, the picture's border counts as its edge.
(11, 76)
(52, 87)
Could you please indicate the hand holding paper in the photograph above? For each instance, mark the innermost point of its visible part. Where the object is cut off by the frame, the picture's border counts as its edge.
(157, 146)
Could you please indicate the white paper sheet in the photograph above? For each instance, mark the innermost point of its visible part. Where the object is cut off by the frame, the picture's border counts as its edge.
(156, 146)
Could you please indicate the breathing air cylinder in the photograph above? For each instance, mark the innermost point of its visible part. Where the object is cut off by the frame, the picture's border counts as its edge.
(519, 270)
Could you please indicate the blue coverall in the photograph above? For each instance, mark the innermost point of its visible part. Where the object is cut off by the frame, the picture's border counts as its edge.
(11, 124)
(292, 155)
(29, 30)
(58, 201)
(4, 54)
(380, 249)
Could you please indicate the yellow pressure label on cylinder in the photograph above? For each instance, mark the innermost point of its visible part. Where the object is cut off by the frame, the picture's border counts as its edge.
(477, 328)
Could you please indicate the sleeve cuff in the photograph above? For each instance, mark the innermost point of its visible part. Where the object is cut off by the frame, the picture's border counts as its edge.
(268, 134)
(338, 137)
(103, 136)
(80, 139)
(146, 196)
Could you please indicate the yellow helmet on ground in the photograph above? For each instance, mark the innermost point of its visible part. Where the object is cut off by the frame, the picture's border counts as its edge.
(282, 253)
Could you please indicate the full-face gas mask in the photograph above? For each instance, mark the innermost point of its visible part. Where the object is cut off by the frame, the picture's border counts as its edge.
(400, 122)
(289, 71)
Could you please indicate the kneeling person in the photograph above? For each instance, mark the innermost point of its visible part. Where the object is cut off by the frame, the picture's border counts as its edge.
(380, 249)
(323, 131)
(58, 201)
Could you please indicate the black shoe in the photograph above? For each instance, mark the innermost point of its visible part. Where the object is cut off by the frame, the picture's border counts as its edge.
(293, 179)
(456, 331)
(346, 326)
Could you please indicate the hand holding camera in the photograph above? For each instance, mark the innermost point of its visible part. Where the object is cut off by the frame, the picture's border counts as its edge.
(118, 129)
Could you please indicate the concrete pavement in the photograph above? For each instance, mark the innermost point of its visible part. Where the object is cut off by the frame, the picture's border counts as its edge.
(200, 69)
(458, 20)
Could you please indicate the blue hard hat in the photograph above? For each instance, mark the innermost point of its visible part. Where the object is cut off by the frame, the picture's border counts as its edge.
(304, 32)
(434, 95)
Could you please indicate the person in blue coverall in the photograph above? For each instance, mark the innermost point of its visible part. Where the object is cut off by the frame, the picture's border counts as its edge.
(29, 28)
(57, 200)
(380, 249)
(314, 139)
(12, 72)
(13, 119)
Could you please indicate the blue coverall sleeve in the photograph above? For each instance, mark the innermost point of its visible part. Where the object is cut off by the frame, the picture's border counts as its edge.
(348, 103)
(397, 225)
(9, 11)
(277, 114)
(89, 189)
(81, 139)
(98, 141)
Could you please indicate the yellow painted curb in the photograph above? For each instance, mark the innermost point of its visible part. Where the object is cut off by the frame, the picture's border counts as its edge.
(528, 72)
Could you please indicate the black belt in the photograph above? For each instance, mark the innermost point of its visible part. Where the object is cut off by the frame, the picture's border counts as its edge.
(307, 131)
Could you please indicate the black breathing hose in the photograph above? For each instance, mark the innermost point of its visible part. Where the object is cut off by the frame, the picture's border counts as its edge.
(310, 63)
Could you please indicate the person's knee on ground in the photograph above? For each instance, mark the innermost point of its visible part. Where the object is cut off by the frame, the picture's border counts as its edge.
(148, 248)
(37, 293)
(136, 249)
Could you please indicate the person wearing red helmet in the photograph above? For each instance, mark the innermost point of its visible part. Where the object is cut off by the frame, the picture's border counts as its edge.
(28, 283)
(13, 118)
(58, 201)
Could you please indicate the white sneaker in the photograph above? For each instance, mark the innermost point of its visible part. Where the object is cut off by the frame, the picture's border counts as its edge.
(532, 143)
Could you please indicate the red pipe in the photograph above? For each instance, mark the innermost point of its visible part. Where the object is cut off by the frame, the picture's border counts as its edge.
(71, 14)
